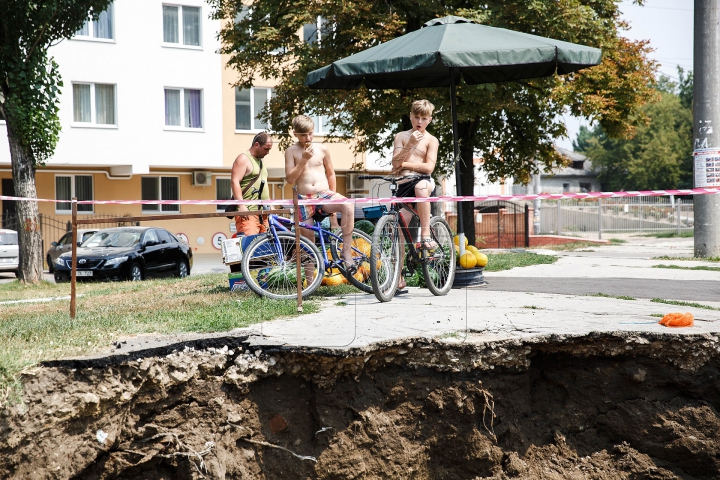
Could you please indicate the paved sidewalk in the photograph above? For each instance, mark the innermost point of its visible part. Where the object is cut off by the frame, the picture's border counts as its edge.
(524, 302)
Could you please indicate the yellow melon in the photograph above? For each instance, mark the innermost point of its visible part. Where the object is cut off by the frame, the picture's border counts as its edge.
(456, 240)
(482, 259)
(334, 280)
(467, 260)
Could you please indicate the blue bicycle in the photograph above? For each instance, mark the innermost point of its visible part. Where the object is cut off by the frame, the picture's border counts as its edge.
(269, 262)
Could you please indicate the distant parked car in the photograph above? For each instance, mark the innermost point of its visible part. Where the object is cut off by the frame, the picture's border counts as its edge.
(65, 245)
(9, 251)
(127, 253)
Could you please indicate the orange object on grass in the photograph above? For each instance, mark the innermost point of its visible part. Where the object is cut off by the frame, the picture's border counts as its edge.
(677, 319)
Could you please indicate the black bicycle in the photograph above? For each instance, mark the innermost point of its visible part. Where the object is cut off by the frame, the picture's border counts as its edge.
(437, 262)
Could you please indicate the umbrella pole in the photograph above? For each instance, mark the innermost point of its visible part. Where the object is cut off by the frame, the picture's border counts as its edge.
(456, 150)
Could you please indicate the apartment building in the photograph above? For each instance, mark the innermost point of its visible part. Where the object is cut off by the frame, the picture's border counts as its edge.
(148, 112)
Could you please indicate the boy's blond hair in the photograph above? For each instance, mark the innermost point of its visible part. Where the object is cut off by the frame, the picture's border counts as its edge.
(303, 124)
(422, 108)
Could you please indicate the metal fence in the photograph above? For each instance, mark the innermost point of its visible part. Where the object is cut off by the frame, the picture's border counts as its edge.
(52, 228)
(592, 218)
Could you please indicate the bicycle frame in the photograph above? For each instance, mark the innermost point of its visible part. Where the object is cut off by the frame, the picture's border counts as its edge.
(277, 223)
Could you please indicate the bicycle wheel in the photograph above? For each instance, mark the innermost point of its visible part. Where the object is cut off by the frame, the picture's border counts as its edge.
(385, 258)
(361, 247)
(439, 264)
(269, 267)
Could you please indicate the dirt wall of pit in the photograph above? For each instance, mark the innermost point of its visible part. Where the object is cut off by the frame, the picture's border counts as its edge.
(608, 406)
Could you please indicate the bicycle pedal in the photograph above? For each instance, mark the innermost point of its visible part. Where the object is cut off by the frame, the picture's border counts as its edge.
(407, 273)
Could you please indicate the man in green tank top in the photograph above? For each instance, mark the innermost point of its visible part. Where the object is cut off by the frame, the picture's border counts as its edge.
(248, 172)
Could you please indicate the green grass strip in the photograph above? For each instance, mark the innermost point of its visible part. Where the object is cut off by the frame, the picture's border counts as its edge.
(678, 267)
(506, 261)
(696, 259)
(684, 304)
(605, 295)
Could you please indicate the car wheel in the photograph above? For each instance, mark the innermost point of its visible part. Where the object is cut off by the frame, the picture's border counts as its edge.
(183, 269)
(17, 273)
(50, 265)
(136, 273)
(59, 279)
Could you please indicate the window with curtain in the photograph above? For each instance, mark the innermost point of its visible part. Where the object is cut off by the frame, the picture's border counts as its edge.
(94, 103)
(181, 25)
(160, 188)
(248, 105)
(223, 191)
(183, 108)
(103, 27)
(69, 186)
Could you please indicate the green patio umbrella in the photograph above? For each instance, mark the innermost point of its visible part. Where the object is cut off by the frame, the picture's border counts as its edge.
(447, 49)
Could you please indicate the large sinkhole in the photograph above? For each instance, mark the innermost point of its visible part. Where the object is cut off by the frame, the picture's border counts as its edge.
(608, 406)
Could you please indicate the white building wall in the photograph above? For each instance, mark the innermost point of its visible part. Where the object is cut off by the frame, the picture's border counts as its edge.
(140, 66)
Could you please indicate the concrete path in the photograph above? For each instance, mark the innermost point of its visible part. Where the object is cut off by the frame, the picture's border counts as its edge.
(556, 299)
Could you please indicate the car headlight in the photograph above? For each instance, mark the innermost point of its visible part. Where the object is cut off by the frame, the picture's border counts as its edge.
(60, 261)
(115, 261)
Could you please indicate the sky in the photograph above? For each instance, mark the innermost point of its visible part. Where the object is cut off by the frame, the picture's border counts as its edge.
(668, 24)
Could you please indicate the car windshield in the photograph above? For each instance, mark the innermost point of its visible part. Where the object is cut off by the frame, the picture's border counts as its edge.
(113, 239)
(8, 238)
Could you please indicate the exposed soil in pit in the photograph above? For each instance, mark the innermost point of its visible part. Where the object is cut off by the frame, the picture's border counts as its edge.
(598, 407)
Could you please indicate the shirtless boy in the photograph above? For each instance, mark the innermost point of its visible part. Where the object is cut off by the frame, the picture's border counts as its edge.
(308, 166)
(415, 153)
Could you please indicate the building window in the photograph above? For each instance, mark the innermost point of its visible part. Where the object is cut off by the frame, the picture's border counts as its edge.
(100, 28)
(181, 25)
(223, 191)
(578, 164)
(160, 188)
(566, 187)
(248, 104)
(94, 103)
(312, 32)
(183, 108)
(585, 187)
(69, 186)
(323, 124)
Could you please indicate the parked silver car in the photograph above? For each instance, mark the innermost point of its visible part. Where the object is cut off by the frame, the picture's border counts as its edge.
(9, 251)
(65, 245)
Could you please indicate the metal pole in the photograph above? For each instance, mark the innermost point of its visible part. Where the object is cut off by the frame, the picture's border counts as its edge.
(558, 224)
(456, 151)
(677, 206)
(536, 205)
(73, 271)
(298, 271)
(706, 116)
(599, 219)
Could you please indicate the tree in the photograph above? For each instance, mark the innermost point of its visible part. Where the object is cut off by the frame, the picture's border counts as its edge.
(29, 88)
(659, 155)
(511, 125)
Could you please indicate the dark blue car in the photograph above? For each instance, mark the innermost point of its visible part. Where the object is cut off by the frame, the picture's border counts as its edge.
(127, 253)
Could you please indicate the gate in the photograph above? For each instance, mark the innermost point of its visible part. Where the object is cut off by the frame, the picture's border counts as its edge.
(501, 224)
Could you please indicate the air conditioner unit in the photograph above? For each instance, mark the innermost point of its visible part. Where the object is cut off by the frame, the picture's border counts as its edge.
(354, 183)
(202, 179)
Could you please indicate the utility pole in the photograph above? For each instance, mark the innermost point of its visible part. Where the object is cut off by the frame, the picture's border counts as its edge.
(706, 116)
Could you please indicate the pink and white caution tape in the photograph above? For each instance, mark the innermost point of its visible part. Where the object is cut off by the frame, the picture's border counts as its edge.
(374, 201)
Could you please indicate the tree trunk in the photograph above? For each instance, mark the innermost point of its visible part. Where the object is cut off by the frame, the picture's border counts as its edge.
(467, 184)
(29, 236)
(466, 133)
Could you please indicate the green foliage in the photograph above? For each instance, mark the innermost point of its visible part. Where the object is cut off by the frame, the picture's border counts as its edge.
(511, 124)
(29, 79)
(659, 155)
